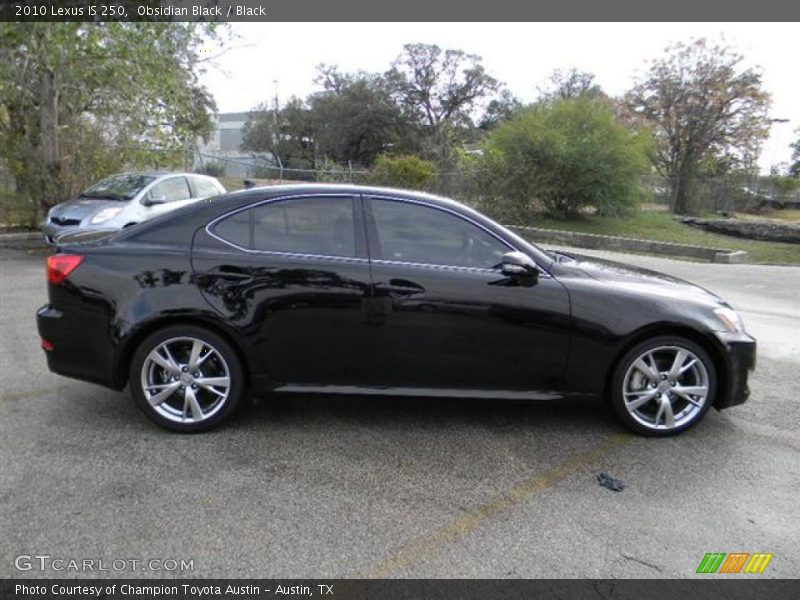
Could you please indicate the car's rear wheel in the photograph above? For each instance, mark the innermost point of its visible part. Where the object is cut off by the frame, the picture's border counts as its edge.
(663, 386)
(186, 378)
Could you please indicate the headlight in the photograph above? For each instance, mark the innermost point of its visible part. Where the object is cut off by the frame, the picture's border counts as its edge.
(730, 319)
(105, 215)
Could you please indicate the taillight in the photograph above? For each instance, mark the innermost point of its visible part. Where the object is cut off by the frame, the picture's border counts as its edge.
(59, 266)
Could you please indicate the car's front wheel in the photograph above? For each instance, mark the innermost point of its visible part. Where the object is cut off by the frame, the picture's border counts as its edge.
(663, 386)
(186, 378)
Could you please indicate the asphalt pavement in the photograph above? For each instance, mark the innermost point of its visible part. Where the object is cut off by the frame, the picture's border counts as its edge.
(394, 487)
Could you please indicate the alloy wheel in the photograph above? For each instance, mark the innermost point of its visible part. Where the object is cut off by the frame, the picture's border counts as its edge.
(666, 387)
(185, 380)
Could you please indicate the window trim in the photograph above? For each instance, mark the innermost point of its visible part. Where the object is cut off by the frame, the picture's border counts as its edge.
(357, 218)
(364, 221)
(373, 230)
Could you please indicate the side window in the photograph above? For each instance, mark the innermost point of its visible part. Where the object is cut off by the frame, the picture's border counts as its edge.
(204, 187)
(237, 229)
(313, 225)
(413, 233)
(170, 190)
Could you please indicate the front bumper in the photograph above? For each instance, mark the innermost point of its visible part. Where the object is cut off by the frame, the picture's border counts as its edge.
(56, 234)
(739, 353)
(51, 232)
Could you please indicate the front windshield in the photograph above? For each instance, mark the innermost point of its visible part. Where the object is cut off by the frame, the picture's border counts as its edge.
(118, 187)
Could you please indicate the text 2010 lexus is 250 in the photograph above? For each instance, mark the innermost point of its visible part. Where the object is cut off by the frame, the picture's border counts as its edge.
(348, 289)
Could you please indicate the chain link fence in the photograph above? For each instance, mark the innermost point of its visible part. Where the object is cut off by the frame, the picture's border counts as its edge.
(734, 193)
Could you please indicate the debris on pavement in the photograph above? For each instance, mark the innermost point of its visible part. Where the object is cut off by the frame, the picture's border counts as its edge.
(616, 485)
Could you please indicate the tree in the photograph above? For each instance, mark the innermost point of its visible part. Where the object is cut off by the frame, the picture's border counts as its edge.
(438, 90)
(779, 187)
(128, 92)
(499, 109)
(701, 104)
(567, 155)
(794, 168)
(284, 135)
(569, 85)
(356, 118)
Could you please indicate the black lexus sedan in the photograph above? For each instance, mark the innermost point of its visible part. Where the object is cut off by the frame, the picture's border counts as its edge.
(348, 289)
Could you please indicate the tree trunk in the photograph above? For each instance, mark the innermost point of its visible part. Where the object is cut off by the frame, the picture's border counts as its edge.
(681, 200)
(681, 184)
(51, 189)
(675, 191)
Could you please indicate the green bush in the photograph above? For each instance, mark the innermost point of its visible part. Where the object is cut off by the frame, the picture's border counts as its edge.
(405, 171)
(214, 169)
(564, 156)
(331, 172)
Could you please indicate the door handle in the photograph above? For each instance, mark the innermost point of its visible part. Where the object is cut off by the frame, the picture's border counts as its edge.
(230, 274)
(401, 288)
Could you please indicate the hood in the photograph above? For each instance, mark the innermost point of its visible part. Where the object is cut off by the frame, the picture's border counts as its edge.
(643, 280)
(83, 207)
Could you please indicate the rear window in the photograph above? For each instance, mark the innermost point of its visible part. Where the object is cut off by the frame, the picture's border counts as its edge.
(311, 225)
(204, 187)
(237, 229)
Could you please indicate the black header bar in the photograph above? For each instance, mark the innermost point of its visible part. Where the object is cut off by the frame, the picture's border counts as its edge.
(405, 10)
(741, 588)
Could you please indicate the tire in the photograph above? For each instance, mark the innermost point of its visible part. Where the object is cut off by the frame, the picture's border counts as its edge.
(653, 397)
(176, 397)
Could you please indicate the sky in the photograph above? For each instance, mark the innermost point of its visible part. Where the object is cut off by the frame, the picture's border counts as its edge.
(521, 55)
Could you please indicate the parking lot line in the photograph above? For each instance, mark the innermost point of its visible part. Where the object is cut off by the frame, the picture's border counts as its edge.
(429, 544)
(29, 393)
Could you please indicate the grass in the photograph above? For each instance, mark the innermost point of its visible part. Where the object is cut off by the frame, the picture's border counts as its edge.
(787, 214)
(662, 227)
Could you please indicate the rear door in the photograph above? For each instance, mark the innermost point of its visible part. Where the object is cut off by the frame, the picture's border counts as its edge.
(444, 315)
(293, 275)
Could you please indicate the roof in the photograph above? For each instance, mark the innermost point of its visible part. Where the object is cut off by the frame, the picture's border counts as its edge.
(342, 188)
(257, 193)
(159, 173)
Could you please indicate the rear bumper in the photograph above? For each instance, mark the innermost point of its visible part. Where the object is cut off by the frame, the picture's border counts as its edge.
(739, 351)
(69, 354)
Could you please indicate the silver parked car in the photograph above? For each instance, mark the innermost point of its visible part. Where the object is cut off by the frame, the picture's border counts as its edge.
(126, 199)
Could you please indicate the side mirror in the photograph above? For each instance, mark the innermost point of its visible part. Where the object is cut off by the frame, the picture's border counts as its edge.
(518, 264)
(151, 200)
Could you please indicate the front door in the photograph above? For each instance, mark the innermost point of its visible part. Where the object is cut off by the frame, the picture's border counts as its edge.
(166, 195)
(445, 318)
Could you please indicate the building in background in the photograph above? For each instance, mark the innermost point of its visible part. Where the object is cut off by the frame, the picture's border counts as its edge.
(223, 147)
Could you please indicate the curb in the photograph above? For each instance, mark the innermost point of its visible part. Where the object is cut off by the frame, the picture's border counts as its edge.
(609, 242)
(24, 239)
(20, 236)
